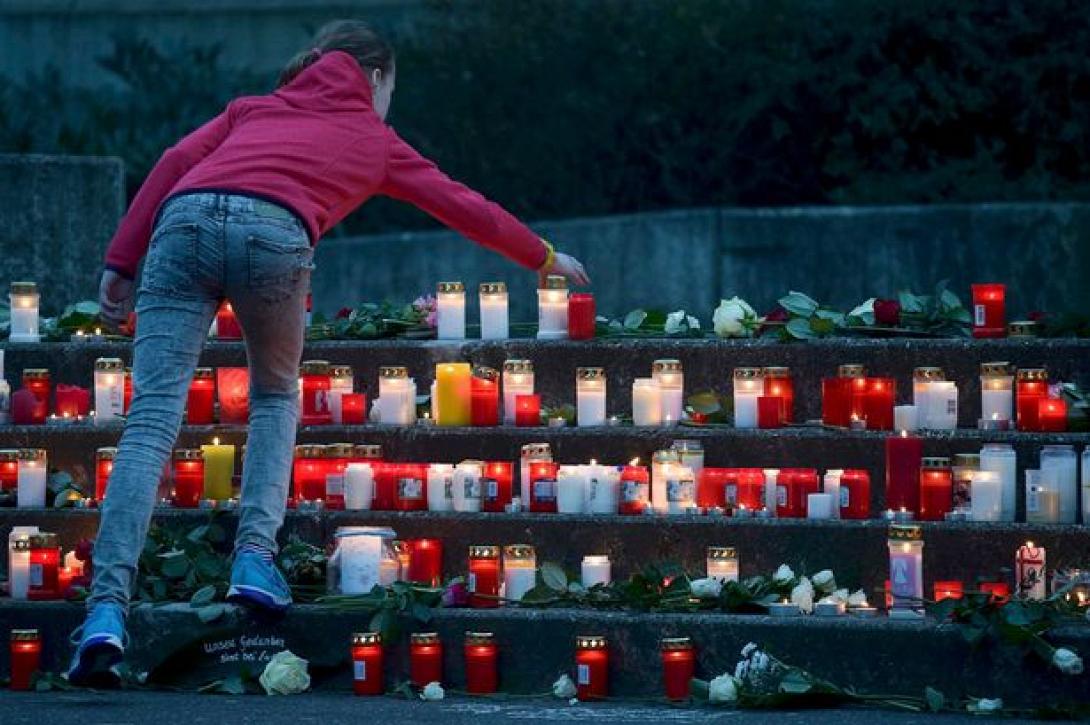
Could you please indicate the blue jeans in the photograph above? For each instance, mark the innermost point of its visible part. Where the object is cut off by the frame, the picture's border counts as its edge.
(207, 247)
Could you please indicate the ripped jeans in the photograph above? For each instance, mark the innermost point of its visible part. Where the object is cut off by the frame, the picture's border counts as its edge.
(206, 247)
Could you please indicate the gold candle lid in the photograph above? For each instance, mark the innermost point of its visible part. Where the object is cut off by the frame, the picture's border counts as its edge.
(32, 454)
(360, 639)
(518, 366)
(676, 643)
(21, 544)
(928, 373)
(196, 454)
(967, 460)
(590, 641)
(450, 288)
(44, 540)
(204, 373)
(106, 454)
(590, 373)
(556, 281)
(748, 373)
(905, 532)
(424, 638)
(314, 367)
(851, 370)
(722, 552)
(535, 450)
(1040, 374)
(492, 288)
(486, 373)
(666, 456)
(9, 454)
(484, 551)
(1022, 328)
(338, 450)
(109, 365)
(934, 462)
(367, 450)
(35, 374)
(777, 372)
(393, 371)
(996, 369)
(477, 638)
(520, 552)
(24, 288)
(24, 635)
(666, 365)
(341, 371)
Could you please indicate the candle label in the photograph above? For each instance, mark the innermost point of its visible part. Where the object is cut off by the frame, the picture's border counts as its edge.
(582, 675)
(471, 582)
(471, 487)
(448, 488)
(903, 580)
(731, 493)
(545, 490)
(781, 496)
(334, 484)
(491, 487)
(410, 488)
(680, 490)
(633, 491)
(36, 575)
(979, 317)
(1030, 572)
(845, 497)
(359, 670)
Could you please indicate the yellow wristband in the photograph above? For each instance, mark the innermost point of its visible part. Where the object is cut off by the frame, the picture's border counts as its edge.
(550, 256)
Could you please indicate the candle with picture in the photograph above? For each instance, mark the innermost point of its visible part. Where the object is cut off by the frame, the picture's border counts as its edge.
(367, 663)
(1029, 572)
(906, 570)
(591, 667)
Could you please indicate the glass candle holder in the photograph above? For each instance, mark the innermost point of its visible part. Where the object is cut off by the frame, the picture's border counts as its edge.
(963, 466)
(109, 389)
(481, 657)
(647, 408)
(397, 396)
(779, 384)
(543, 486)
(200, 400)
(233, 393)
(45, 562)
(342, 382)
(571, 489)
(364, 557)
(722, 563)
(227, 327)
(496, 486)
(453, 394)
(367, 663)
(359, 486)
(1023, 329)
(485, 397)
(39, 382)
(31, 478)
(680, 489)
(581, 316)
(660, 463)
(411, 492)
(1031, 387)
(678, 666)
(26, 656)
(855, 494)
(1064, 462)
(127, 396)
(24, 300)
(1042, 498)
(837, 394)
(996, 391)
(527, 411)
(998, 592)
(711, 488)
(518, 379)
(552, 309)
(904, 455)
(770, 412)
(948, 589)
(308, 473)
(635, 489)
(495, 323)
(519, 570)
(315, 383)
(989, 310)
(596, 569)
(591, 667)
(9, 469)
(483, 581)
(749, 489)
(878, 403)
(1052, 415)
(425, 658)
(690, 453)
(671, 381)
(1001, 460)
(353, 408)
(467, 486)
(440, 487)
(450, 301)
(905, 543)
(936, 488)
(104, 466)
(187, 477)
(748, 387)
(528, 454)
(793, 486)
(590, 397)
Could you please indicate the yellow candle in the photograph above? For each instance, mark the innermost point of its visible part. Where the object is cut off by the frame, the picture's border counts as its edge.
(452, 393)
(219, 469)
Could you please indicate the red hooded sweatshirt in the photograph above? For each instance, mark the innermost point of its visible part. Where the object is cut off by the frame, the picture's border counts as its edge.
(317, 147)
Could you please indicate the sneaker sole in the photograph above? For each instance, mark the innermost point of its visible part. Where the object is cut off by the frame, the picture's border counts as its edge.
(97, 666)
(257, 598)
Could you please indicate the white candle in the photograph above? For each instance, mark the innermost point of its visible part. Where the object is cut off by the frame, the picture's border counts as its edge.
(362, 559)
(518, 379)
(397, 396)
(23, 324)
(659, 463)
(30, 491)
(340, 383)
(1001, 460)
(552, 309)
(1029, 571)
(590, 397)
(987, 497)
(690, 454)
(494, 316)
(1086, 485)
(680, 489)
(942, 398)
(922, 378)
(819, 506)
(5, 393)
(671, 381)
(440, 487)
(647, 405)
(19, 560)
(772, 478)
(596, 570)
(603, 488)
(906, 569)
(519, 570)
(906, 418)
(722, 563)
(1062, 460)
(748, 386)
(1042, 498)
(831, 486)
(996, 391)
(467, 486)
(571, 489)
(109, 389)
(450, 309)
(359, 486)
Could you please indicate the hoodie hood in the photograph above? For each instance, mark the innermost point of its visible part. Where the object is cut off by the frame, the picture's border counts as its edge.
(335, 82)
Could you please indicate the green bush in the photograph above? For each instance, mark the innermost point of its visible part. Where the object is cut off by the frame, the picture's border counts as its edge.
(576, 107)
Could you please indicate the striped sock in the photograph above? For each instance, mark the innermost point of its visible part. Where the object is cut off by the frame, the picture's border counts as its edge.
(265, 554)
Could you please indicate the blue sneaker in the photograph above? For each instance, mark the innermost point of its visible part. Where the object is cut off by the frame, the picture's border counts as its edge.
(257, 583)
(100, 648)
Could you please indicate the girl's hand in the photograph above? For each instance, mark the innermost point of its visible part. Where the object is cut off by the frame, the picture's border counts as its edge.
(568, 267)
(114, 298)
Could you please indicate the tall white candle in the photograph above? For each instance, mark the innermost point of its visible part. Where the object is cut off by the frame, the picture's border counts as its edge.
(571, 489)
(819, 506)
(451, 311)
(30, 491)
(647, 405)
(494, 316)
(671, 380)
(19, 560)
(772, 479)
(590, 397)
(440, 487)
(1062, 460)
(922, 378)
(518, 379)
(831, 486)
(603, 488)
(519, 570)
(942, 400)
(23, 322)
(906, 418)
(1001, 460)
(680, 489)
(1029, 571)
(397, 396)
(109, 389)
(552, 309)
(359, 486)
(1042, 497)
(340, 382)
(659, 463)
(987, 496)
(748, 386)
(467, 486)
(996, 391)
(596, 569)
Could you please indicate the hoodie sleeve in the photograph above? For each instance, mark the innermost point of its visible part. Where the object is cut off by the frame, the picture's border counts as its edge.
(412, 178)
(130, 241)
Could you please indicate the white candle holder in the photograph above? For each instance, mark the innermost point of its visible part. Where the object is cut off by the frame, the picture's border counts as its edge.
(495, 324)
(24, 300)
(996, 393)
(748, 387)
(590, 397)
(671, 381)
(647, 407)
(518, 379)
(397, 396)
(552, 309)
(450, 305)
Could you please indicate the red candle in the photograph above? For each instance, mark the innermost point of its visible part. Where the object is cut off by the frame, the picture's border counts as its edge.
(45, 562)
(948, 590)
(37, 381)
(904, 454)
(411, 486)
(233, 391)
(793, 485)
(227, 327)
(778, 383)
(425, 562)
(936, 489)
(353, 408)
(73, 401)
(1031, 388)
(635, 489)
(999, 592)
(386, 476)
(543, 486)
(104, 466)
(335, 459)
(878, 403)
(27, 408)
(841, 397)
(484, 402)
(989, 310)
(484, 576)
(425, 658)
(367, 663)
(9, 470)
(527, 410)
(126, 392)
(711, 487)
(1052, 415)
(496, 485)
(200, 401)
(308, 473)
(678, 666)
(26, 655)
(482, 676)
(770, 411)
(581, 316)
(316, 383)
(854, 494)
(857, 398)
(591, 668)
(188, 477)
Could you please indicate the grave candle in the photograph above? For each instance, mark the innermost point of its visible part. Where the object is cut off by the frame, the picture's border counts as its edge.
(936, 488)
(467, 486)
(965, 464)
(529, 453)
(943, 399)
(496, 486)
(451, 311)
(1062, 460)
(635, 493)
(571, 489)
(359, 486)
(1002, 460)
(989, 310)
(906, 569)
(26, 655)
(770, 412)
(336, 457)
(341, 383)
(227, 327)
(552, 309)
(9, 469)
(680, 489)
(778, 384)
(200, 400)
(595, 569)
(830, 484)
(878, 403)
(397, 396)
(219, 470)
(711, 488)
(1042, 499)
(412, 487)
(857, 391)
(998, 592)
(646, 402)
(23, 325)
(316, 383)
(987, 498)
(855, 494)
(485, 397)
(519, 570)
(591, 668)
(19, 561)
(353, 408)
(440, 487)
(948, 590)
(1031, 387)
(1052, 415)
(31, 483)
(44, 571)
(5, 394)
(127, 397)
(365, 556)
(38, 381)
(518, 379)
(308, 473)
(367, 675)
(188, 477)
(996, 391)
(109, 389)
(543, 486)
(793, 488)
(771, 490)
(425, 658)
(581, 314)
(836, 396)
(906, 418)
(678, 666)
(904, 454)
(750, 491)
(748, 386)
(819, 506)
(72, 401)
(722, 563)
(690, 454)
(495, 324)
(1085, 459)
(603, 488)
(27, 409)
(483, 581)
(233, 391)
(482, 671)
(671, 380)
(590, 397)
(104, 466)
(527, 411)
(1029, 571)
(425, 562)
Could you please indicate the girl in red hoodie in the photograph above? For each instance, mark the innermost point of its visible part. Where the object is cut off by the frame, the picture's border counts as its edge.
(233, 211)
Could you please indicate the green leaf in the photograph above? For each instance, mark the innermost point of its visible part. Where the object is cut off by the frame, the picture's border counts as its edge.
(795, 683)
(203, 596)
(421, 612)
(175, 564)
(634, 319)
(706, 402)
(936, 701)
(822, 326)
(910, 302)
(554, 577)
(799, 328)
(799, 304)
(211, 612)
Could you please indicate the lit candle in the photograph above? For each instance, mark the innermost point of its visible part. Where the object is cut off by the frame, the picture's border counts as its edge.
(772, 491)
(359, 487)
(855, 494)
(948, 590)
(467, 486)
(571, 489)
(519, 570)
(711, 488)
(227, 327)
(219, 470)
(481, 656)
(397, 396)
(19, 560)
(671, 380)
(878, 403)
(603, 488)
(830, 484)
(483, 581)
(595, 569)
(451, 311)
(779, 384)
(188, 477)
(341, 383)
(647, 402)
(936, 488)
(485, 397)
(453, 393)
(529, 453)
(45, 563)
(943, 401)
(425, 658)
(552, 309)
(315, 380)
(1062, 460)
(26, 655)
(748, 386)
(680, 489)
(233, 391)
(987, 496)
(591, 668)
(690, 454)
(353, 407)
(1031, 387)
(496, 486)
(104, 466)
(39, 382)
(906, 418)
(542, 477)
(965, 464)
(836, 395)
(1001, 460)
(494, 315)
(1029, 571)
(1042, 498)
(793, 488)
(109, 389)
(906, 570)
(1052, 415)
(722, 563)
(425, 562)
(634, 493)
(590, 397)
(518, 379)
(527, 411)
(904, 454)
(365, 555)
(678, 666)
(989, 310)
(200, 400)
(367, 674)
(9, 469)
(770, 411)
(998, 592)
(996, 391)
(23, 325)
(308, 473)
(440, 487)
(581, 316)
(127, 396)
(31, 485)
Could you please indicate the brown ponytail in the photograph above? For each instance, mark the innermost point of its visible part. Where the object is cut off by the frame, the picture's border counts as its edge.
(354, 37)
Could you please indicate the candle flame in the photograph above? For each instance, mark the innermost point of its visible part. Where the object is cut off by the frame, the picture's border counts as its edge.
(216, 441)
(995, 416)
(634, 462)
(904, 434)
(98, 330)
(79, 333)
(1029, 544)
(593, 462)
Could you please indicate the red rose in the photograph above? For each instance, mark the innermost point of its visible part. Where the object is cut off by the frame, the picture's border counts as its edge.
(1037, 316)
(778, 314)
(343, 313)
(887, 313)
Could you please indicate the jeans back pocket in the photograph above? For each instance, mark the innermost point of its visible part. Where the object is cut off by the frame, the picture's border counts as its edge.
(171, 265)
(279, 265)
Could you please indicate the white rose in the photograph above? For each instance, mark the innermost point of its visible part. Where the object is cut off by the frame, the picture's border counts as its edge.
(564, 688)
(285, 674)
(864, 312)
(723, 689)
(734, 318)
(708, 588)
(1067, 661)
(749, 649)
(433, 691)
(840, 595)
(803, 596)
(858, 599)
(985, 705)
(783, 575)
(824, 581)
(680, 322)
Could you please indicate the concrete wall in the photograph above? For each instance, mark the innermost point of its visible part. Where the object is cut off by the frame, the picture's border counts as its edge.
(691, 258)
(57, 213)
